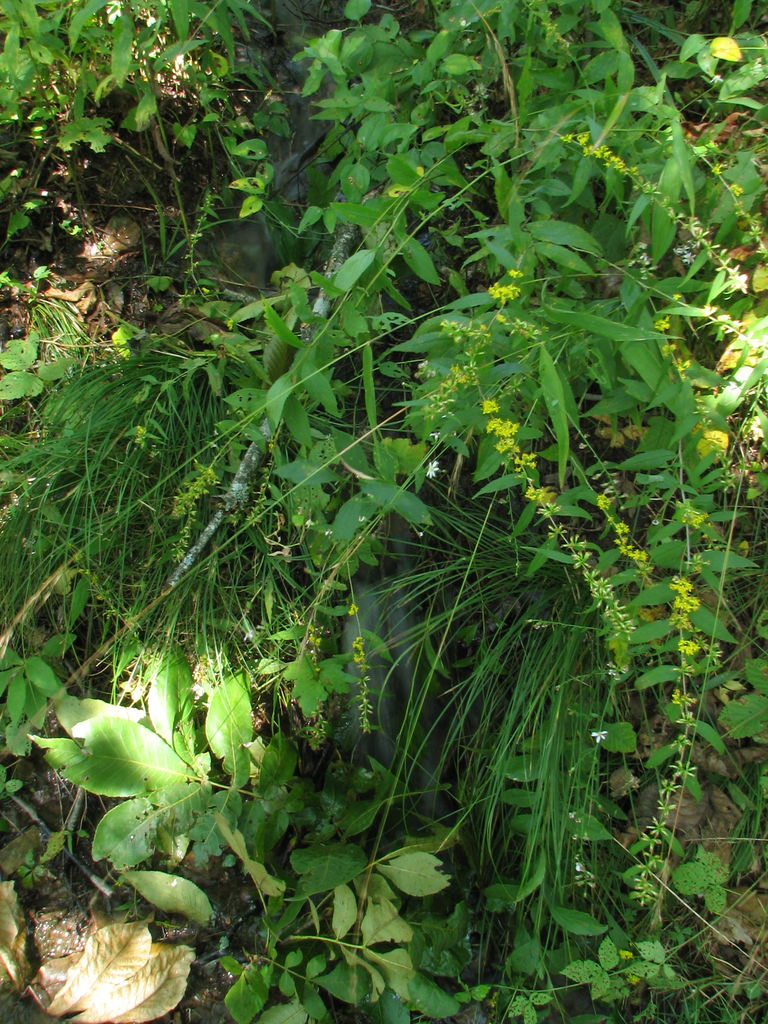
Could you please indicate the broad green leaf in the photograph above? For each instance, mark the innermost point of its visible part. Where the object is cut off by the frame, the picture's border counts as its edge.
(172, 894)
(325, 867)
(228, 725)
(41, 675)
(576, 921)
(276, 398)
(348, 982)
(169, 700)
(419, 261)
(123, 758)
(353, 268)
(459, 64)
(428, 998)
(284, 1013)
(19, 385)
(561, 232)
(127, 834)
(417, 874)
(608, 954)
(19, 354)
(248, 995)
(620, 738)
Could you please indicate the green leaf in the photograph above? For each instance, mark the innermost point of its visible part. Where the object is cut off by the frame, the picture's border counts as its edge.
(169, 701)
(260, 876)
(228, 726)
(459, 64)
(350, 983)
(417, 874)
(607, 954)
(561, 232)
(325, 867)
(353, 268)
(19, 354)
(620, 738)
(428, 998)
(344, 910)
(355, 10)
(419, 261)
(127, 834)
(19, 385)
(172, 894)
(284, 1013)
(41, 675)
(576, 921)
(248, 995)
(553, 389)
(123, 758)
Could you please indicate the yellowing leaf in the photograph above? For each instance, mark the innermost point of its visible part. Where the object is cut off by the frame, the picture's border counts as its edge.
(760, 279)
(382, 923)
(344, 910)
(726, 48)
(713, 441)
(172, 894)
(415, 873)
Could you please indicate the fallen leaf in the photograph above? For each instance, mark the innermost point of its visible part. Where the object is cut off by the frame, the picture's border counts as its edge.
(121, 976)
(13, 937)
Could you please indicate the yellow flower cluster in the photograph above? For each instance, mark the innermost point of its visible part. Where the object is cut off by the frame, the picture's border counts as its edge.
(504, 293)
(602, 153)
(506, 432)
(684, 604)
(663, 324)
(622, 531)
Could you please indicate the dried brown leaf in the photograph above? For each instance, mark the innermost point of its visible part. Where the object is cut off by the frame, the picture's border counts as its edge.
(154, 990)
(112, 956)
(13, 935)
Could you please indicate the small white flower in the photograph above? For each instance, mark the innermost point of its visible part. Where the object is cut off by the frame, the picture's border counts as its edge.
(579, 867)
(599, 736)
(433, 468)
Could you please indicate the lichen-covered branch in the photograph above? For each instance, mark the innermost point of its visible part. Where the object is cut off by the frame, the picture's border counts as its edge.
(237, 493)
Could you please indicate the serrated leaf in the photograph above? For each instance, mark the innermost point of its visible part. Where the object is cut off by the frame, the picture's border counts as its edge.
(417, 874)
(344, 910)
(123, 758)
(171, 893)
(725, 48)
